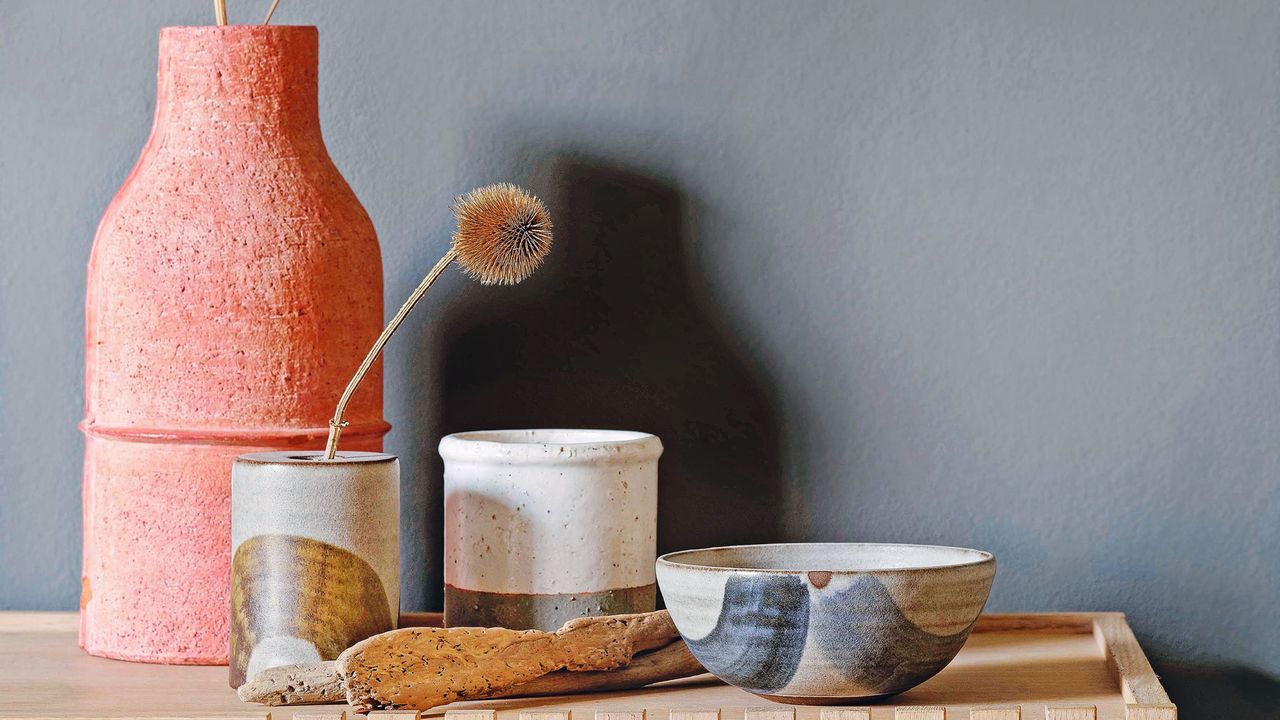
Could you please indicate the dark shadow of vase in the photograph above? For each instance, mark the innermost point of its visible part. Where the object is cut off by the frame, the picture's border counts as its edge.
(1204, 692)
(613, 332)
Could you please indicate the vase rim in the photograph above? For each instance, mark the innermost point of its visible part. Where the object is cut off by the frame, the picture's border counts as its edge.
(315, 458)
(240, 27)
(239, 31)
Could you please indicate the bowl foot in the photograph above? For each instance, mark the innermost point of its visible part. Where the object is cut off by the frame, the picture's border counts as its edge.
(802, 700)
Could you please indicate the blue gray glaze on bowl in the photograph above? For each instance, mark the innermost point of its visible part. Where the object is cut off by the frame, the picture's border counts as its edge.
(825, 623)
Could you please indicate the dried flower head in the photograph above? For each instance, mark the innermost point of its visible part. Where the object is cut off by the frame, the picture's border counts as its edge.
(504, 233)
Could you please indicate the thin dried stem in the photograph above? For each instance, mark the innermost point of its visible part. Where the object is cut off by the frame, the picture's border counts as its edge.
(274, 4)
(220, 11)
(337, 423)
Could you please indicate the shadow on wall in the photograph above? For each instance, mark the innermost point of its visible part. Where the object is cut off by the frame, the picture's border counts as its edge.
(611, 333)
(1207, 693)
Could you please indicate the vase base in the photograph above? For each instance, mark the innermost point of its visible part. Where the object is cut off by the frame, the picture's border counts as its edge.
(154, 658)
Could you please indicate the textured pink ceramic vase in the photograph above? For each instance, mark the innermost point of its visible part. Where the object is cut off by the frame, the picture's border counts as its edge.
(235, 283)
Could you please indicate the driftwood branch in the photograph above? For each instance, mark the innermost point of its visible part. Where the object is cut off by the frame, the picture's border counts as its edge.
(421, 668)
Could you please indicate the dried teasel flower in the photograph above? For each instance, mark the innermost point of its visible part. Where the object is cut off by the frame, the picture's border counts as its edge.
(504, 234)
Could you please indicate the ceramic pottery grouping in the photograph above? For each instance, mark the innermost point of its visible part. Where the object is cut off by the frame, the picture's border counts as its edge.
(230, 274)
(543, 526)
(825, 623)
(315, 556)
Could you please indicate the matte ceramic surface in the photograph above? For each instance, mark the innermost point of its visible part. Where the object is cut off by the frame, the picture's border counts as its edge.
(316, 556)
(234, 282)
(825, 622)
(542, 526)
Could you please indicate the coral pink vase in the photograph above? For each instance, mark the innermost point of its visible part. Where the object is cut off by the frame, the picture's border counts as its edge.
(235, 283)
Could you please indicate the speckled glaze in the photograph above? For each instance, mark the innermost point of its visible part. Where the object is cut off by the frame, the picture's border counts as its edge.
(235, 281)
(542, 526)
(315, 556)
(825, 623)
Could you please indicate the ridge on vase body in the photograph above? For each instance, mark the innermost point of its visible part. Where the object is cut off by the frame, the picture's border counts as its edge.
(235, 282)
(825, 623)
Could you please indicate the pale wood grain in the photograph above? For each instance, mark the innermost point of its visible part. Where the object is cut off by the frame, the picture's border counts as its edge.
(1134, 674)
(1060, 622)
(996, 713)
(394, 715)
(849, 713)
(63, 622)
(1082, 712)
(920, 713)
(39, 622)
(1165, 711)
(546, 715)
(620, 715)
(782, 712)
(340, 715)
(470, 715)
(685, 714)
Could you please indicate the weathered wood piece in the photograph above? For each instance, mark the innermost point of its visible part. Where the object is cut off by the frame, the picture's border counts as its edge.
(425, 667)
(420, 668)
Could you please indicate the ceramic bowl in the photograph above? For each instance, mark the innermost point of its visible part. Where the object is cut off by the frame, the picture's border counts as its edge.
(825, 623)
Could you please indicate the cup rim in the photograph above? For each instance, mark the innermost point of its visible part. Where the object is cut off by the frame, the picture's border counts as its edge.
(557, 444)
(980, 557)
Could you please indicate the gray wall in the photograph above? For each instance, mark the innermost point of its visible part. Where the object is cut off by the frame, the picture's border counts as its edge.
(1004, 275)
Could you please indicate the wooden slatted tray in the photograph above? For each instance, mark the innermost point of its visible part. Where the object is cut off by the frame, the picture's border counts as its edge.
(1056, 666)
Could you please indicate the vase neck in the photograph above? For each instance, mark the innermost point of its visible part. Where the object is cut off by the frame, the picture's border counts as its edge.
(242, 83)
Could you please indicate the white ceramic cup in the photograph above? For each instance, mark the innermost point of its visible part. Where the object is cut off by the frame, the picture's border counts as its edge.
(543, 526)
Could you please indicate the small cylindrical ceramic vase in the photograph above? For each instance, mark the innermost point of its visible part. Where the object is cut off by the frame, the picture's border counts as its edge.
(543, 526)
(315, 547)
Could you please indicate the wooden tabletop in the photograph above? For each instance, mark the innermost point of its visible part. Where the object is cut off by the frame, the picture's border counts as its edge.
(1034, 662)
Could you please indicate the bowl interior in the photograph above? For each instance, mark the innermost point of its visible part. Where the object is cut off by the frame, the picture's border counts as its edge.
(832, 557)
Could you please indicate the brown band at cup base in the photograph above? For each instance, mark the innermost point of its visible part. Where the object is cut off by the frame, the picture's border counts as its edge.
(530, 611)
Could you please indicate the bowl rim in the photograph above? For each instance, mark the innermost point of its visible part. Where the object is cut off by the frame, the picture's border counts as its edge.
(671, 560)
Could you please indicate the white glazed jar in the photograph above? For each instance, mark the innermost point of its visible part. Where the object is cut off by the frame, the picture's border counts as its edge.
(543, 526)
